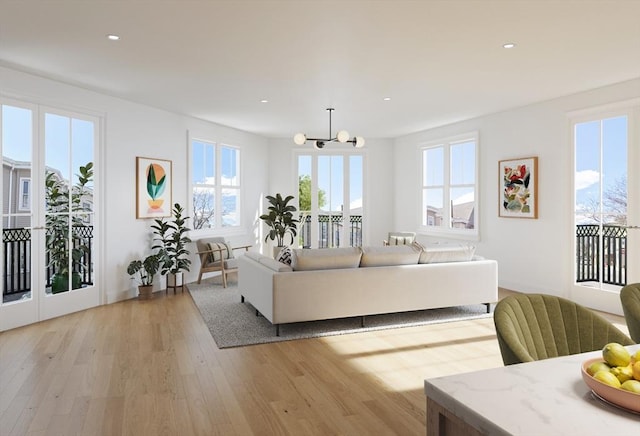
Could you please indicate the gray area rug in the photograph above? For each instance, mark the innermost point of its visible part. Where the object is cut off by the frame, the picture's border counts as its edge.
(235, 324)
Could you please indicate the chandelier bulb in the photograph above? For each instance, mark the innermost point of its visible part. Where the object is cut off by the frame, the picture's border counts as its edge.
(300, 138)
(342, 136)
(359, 142)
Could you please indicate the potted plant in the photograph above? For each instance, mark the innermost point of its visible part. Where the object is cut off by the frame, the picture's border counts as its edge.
(144, 271)
(66, 261)
(171, 242)
(281, 221)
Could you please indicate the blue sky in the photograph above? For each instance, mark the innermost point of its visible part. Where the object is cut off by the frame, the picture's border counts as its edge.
(64, 137)
(601, 157)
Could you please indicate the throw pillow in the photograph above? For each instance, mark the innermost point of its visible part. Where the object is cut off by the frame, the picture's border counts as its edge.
(222, 250)
(401, 240)
(284, 256)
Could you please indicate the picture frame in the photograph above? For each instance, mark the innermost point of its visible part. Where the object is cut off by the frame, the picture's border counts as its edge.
(153, 187)
(518, 188)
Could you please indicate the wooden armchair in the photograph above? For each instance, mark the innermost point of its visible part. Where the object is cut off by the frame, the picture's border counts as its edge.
(217, 255)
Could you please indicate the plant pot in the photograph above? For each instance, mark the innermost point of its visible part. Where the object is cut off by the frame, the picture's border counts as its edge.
(175, 281)
(60, 282)
(145, 292)
(276, 251)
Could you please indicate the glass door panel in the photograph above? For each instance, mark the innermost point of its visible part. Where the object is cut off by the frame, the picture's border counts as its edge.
(331, 193)
(355, 201)
(602, 151)
(18, 305)
(69, 203)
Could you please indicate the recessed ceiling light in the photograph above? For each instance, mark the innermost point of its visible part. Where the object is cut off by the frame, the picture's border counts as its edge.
(387, 99)
(113, 37)
(264, 101)
(508, 45)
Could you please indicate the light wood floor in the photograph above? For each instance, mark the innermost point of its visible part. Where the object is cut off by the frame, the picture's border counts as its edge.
(152, 368)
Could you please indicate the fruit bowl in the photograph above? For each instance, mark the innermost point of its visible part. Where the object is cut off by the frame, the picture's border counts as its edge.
(619, 397)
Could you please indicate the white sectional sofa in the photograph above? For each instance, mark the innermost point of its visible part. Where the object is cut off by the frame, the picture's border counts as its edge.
(358, 281)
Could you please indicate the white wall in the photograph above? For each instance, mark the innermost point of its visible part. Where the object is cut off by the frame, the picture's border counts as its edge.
(135, 130)
(533, 255)
(378, 183)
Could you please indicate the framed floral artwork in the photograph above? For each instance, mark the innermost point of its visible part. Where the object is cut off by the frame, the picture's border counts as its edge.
(518, 188)
(153, 188)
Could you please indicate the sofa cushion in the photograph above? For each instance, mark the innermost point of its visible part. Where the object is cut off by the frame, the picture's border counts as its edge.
(305, 259)
(453, 253)
(389, 255)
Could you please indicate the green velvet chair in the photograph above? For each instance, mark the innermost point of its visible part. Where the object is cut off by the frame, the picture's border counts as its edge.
(537, 326)
(630, 298)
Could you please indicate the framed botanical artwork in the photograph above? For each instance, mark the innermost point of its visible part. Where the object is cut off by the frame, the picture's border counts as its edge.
(518, 188)
(153, 188)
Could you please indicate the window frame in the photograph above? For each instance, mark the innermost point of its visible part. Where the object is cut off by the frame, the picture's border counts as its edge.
(218, 186)
(446, 143)
(21, 204)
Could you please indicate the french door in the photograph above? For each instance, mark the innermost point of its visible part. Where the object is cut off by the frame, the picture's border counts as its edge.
(49, 227)
(331, 192)
(606, 242)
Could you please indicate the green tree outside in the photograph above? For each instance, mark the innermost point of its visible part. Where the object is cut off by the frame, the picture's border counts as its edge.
(304, 194)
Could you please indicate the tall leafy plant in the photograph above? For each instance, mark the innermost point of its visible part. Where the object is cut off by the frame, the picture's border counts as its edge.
(63, 204)
(171, 241)
(280, 219)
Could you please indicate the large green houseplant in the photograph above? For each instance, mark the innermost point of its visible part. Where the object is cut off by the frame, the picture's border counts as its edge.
(280, 220)
(170, 239)
(64, 204)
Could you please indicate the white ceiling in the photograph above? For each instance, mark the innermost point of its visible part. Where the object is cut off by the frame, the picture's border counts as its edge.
(439, 61)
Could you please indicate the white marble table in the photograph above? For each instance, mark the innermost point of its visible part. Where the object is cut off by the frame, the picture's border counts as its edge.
(546, 397)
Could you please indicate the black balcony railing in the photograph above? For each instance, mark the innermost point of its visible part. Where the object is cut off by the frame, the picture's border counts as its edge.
(608, 262)
(329, 226)
(17, 259)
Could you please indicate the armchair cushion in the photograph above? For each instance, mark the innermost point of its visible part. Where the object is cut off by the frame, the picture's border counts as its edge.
(220, 251)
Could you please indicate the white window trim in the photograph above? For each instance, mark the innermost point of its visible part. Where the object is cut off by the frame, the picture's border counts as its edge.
(21, 206)
(217, 229)
(346, 154)
(450, 232)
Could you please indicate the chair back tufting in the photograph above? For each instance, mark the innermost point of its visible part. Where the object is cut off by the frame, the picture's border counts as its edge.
(533, 327)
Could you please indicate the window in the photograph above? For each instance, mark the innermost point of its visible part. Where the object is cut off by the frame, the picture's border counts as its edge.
(449, 186)
(601, 156)
(331, 193)
(215, 185)
(25, 194)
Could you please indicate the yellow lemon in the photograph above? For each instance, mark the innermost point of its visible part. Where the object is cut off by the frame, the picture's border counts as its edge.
(607, 378)
(635, 369)
(631, 386)
(597, 366)
(623, 373)
(635, 357)
(616, 355)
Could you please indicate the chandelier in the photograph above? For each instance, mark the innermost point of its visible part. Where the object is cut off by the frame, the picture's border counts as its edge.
(342, 136)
